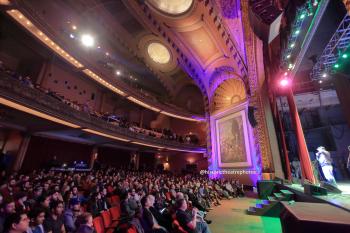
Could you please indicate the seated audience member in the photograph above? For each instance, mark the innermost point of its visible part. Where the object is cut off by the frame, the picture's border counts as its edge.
(127, 212)
(7, 208)
(37, 217)
(54, 223)
(97, 204)
(84, 223)
(16, 223)
(21, 202)
(149, 222)
(71, 214)
(190, 222)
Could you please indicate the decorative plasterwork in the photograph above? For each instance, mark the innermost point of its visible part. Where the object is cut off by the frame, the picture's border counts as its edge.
(262, 145)
(143, 47)
(158, 53)
(172, 7)
(201, 43)
(227, 94)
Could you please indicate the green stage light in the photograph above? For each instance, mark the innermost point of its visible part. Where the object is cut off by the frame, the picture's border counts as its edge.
(345, 55)
(297, 32)
(336, 66)
(302, 16)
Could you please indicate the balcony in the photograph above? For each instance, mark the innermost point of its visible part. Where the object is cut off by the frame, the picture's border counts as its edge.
(36, 102)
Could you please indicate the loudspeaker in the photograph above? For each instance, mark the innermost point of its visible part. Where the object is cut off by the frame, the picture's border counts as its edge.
(265, 18)
(330, 187)
(251, 116)
(314, 190)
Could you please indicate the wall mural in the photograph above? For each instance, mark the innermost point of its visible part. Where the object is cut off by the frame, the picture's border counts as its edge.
(232, 140)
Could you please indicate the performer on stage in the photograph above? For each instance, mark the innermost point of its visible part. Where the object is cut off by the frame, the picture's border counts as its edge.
(325, 161)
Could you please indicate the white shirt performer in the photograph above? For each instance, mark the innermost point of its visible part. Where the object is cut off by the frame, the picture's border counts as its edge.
(324, 158)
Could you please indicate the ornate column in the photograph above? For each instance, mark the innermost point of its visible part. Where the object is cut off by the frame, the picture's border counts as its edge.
(93, 157)
(305, 162)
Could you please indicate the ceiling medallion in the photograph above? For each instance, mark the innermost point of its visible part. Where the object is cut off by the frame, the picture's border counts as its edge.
(173, 7)
(158, 53)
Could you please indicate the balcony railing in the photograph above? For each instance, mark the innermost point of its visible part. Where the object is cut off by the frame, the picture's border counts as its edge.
(33, 98)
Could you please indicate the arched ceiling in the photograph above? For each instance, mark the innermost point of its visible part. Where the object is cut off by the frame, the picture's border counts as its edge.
(153, 46)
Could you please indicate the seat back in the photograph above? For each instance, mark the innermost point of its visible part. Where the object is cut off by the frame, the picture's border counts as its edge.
(168, 196)
(115, 212)
(115, 200)
(177, 227)
(132, 229)
(98, 225)
(106, 216)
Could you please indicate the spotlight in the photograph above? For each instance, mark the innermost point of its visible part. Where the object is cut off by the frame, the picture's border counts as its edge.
(71, 36)
(87, 40)
(107, 53)
(324, 75)
(292, 45)
(118, 72)
(320, 81)
(288, 56)
(297, 32)
(284, 82)
(302, 16)
(74, 27)
(336, 66)
(285, 73)
(345, 55)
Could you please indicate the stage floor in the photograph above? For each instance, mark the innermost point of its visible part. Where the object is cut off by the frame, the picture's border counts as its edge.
(231, 217)
(341, 200)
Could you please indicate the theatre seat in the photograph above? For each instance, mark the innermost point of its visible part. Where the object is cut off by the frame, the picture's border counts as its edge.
(98, 225)
(178, 228)
(132, 229)
(168, 196)
(107, 220)
(115, 200)
(115, 213)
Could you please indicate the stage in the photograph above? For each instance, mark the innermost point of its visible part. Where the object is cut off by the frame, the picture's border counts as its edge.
(339, 200)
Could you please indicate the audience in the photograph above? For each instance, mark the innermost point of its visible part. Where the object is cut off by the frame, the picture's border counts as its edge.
(61, 201)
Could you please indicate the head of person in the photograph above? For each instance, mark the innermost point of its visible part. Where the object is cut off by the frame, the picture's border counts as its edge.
(37, 216)
(56, 207)
(147, 201)
(181, 204)
(320, 148)
(8, 206)
(44, 201)
(85, 219)
(74, 205)
(16, 222)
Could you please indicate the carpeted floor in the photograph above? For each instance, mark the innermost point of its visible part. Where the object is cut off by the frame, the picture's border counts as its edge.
(230, 217)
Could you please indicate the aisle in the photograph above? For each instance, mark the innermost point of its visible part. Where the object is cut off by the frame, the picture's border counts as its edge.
(231, 217)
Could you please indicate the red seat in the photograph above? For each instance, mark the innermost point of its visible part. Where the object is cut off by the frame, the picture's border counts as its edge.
(178, 228)
(168, 196)
(115, 213)
(107, 220)
(98, 225)
(115, 200)
(132, 229)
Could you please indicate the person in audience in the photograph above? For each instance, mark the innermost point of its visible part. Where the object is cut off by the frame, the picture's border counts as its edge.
(85, 223)
(7, 208)
(71, 214)
(149, 222)
(191, 223)
(37, 217)
(16, 223)
(97, 204)
(54, 223)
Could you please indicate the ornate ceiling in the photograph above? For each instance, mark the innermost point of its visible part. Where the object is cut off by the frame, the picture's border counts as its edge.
(157, 46)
